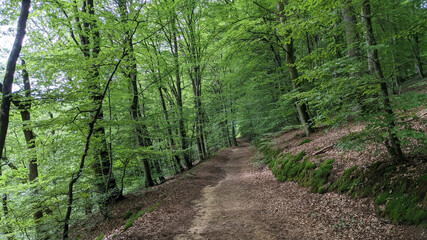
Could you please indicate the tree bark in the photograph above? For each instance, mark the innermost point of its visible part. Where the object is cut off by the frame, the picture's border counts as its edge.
(30, 139)
(75, 177)
(393, 144)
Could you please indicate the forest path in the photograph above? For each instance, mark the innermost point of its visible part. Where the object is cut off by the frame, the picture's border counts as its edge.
(230, 197)
(228, 209)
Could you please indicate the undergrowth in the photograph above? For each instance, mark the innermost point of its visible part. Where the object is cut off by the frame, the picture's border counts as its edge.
(397, 196)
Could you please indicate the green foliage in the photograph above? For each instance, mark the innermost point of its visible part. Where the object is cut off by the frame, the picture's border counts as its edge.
(245, 90)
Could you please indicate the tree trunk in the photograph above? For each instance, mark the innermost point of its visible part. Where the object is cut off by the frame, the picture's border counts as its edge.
(351, 33)
(141, 130)
(10, 72)
(393, 144)
(90, 46)
(293, 72)
(371, 62)
(176, 161)
(7, 84)
(416, 52)
(30, 139)
(181, 124)
(75, 177)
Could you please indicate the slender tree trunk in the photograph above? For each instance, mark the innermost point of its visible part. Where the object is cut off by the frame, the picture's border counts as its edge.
(30, 139)
(293, 72)
(142, 137)
(177, 161)
(10, 72)
(371, 62)
(416, 52)
(75, 177)
(181, 124)
(6, 87)
(393, 144)
(90, 45)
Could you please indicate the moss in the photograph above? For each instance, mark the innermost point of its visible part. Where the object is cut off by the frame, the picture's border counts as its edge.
(100, 237)
(137, 215)
(422, 179)
(346, 181)
(127, 215)
(321, 175)
(382, 198)
(322, 190)
(405, 198)
(307, 140)
(405, 209)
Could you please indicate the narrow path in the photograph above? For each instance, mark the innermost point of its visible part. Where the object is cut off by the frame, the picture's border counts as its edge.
(228, 209)
(228, 197)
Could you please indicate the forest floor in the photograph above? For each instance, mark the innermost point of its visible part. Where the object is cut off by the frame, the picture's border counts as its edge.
(232, 197)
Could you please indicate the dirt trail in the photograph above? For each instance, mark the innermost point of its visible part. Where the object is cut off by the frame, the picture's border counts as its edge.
(230, 198)
(228, 210)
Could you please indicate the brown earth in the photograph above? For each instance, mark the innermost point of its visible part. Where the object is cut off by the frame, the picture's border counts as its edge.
(230, 197)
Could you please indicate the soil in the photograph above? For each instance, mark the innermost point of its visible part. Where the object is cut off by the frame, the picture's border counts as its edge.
(233, 197)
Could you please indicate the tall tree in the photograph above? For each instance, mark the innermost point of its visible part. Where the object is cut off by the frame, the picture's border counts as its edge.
(194, 50)
(131, 73)
(293, 72)
(90, 46)
(393, 143)
(8, 81)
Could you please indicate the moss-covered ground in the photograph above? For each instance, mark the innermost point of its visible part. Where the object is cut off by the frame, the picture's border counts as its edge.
(398, 196)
